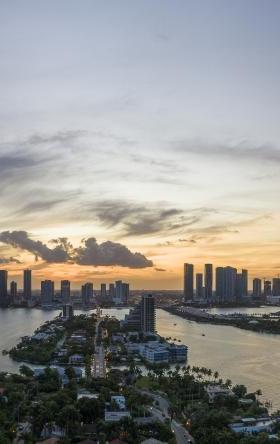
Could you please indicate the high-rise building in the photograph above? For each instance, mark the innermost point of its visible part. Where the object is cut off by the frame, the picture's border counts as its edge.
(4, 300)
(276, 287)
(188, 282)
(244, 282)
(257, 288)
(87, 294)
(230, 284)
(125, 293)
(67, 311)
(111, 292)
(220, 284)
(65, 292)
(199, 286)
(27, 285)
(103, 292)
(208, 281)
(121, 293)
(142, 317)
(239, 286)
(47, 293)
(148, 314)
(13, 292)
(267, 288)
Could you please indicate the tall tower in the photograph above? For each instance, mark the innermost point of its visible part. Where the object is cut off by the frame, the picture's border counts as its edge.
(87, 294)
(27, 285)
(47, 293)
(220, 284)
(199, 286)
(257, 287)
(65, 292)
(208, 282)
(148, 314)
(4, 301)
(188, 282)
(13, 292)
(244, 282)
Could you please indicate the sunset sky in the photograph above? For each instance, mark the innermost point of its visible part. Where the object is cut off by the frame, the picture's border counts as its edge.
(145, 132)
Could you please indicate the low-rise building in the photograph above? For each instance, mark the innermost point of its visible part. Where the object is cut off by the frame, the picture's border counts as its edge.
(251, 426)
(214, 391)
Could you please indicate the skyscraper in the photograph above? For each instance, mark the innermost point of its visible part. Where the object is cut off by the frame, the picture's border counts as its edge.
(239, 286)
(111, 292)
(148, 314)
(276, 287)
(208, 280)
(188, 282)
(65, 291)
(103, 292)
(4, 300)
(142, 317)
(27, 285)
(267, 288)
(199, 286)
(230, 284)
(257, 288)
(87, 294)
(13, 292)
(47, 293)
(220, 284)
(244, 282)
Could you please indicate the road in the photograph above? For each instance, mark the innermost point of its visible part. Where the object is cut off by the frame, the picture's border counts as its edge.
(99, 363)
(161, 412)
(182, 435)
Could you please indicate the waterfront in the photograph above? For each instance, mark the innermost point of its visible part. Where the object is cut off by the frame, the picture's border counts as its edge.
(243, 356)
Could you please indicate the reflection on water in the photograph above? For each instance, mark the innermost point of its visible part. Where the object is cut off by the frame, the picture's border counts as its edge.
(245, 357)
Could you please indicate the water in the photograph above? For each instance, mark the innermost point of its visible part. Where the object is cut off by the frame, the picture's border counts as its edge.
(244, 357)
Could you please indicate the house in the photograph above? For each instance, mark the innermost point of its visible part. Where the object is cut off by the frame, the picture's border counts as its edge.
(116, 410)
(215, 391)
(76, 360)
(119, 400)
(152, 441)
(250, 426)
(86, 394)
(52, 430)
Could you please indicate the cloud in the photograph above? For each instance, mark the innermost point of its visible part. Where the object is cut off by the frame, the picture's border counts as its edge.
(20, 239)
(160, 269)
(144, 219)
(9, 260)
(109, 253)
(89, 253)
(238, 150)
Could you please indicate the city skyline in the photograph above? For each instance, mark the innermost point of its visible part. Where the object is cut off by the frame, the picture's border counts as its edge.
(139, 136)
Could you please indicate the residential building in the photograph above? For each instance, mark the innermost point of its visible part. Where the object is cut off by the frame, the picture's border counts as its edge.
(47, 293)
(4, 300)
(87, 294)
(188, 282)
(257, 288)
(65, 292)
(13, 292)
(103, 292)
(208, 282)
(67, 311)
(27, 285)
(199, 286)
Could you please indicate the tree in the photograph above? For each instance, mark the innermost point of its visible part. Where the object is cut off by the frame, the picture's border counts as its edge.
(26, 371)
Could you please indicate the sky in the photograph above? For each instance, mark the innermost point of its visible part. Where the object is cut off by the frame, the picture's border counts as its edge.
(139, 135)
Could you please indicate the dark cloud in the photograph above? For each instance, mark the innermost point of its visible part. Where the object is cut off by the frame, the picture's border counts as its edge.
(160, 269)
(137, 220)
(89, 253)
(20, 239)
(9, 260)
(109, 253)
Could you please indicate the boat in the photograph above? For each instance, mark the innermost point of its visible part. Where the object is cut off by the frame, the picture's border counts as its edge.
(203, 334)
(174, 324)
